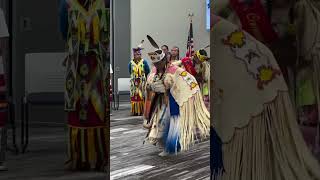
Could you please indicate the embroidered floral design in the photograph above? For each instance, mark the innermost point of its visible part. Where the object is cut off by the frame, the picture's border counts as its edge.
(188, 78)
(137, 82)
(251, 55)
(83, 114)
(183, 74)
(236, 39)
(70, 83)
(257, 64)
(193, 85)
(266, 75)
(84, 70)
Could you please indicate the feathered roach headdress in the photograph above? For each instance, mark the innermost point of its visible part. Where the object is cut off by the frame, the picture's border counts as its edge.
(157, 55)
(139, 47)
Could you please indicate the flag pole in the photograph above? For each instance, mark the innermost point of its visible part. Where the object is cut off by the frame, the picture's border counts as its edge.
(190, 37)
(190, 16)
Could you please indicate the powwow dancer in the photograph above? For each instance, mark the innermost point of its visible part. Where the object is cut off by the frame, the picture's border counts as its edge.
(85, 26)
(139, 70)
(175, 113)
(198, 66)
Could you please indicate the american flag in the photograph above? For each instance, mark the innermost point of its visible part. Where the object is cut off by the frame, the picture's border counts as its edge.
(190, 44)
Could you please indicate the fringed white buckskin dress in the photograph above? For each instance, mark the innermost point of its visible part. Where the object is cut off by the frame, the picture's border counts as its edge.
(254, 116)
(179, 116)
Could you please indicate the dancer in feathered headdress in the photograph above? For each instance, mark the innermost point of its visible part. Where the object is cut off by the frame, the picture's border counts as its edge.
(175, 112)
(139, 70)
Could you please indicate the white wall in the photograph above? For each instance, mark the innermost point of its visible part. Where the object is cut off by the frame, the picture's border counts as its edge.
(168, 23)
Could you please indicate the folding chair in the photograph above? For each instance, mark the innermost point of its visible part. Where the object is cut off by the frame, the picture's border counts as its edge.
(123, 89)
(44, 85)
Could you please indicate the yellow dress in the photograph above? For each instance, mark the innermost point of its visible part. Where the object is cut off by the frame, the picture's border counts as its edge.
(138, 71)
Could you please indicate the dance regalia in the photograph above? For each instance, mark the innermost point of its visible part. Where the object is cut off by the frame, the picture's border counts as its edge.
(139, 71)
(3, 103)
(253, 114)
(3, 90)
(254, 20)
(250, 15)
(177, 116)
(276, 31)
(308, 77)
(202, 74)
(188, 64)
(203, 70)
(86, 88)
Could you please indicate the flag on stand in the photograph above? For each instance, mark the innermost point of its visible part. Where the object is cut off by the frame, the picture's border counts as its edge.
(190, 49)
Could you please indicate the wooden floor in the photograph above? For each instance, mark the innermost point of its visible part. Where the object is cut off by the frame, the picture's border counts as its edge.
(131, 159)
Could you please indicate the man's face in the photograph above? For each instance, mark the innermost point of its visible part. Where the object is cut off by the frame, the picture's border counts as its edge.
(164, 49)
(137, 55)
(174, 52)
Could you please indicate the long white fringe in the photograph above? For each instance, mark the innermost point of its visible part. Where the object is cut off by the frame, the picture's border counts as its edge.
(271, 147)
(193, 116)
